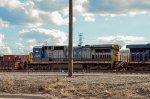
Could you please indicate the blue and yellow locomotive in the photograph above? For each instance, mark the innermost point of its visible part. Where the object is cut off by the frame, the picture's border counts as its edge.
(139, 57)
(85, 57)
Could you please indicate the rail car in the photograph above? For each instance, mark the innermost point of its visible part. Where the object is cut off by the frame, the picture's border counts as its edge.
(55, 58)
(12, 62)
(139, 57)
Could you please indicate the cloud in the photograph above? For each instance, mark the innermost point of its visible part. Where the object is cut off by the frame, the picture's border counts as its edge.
(97, 7)
(109, 8)
(28, 14)
(39, 37)
(52, 36)
(3, 24)
(89, 18)
(35, 13)
(57, 19)
(3, 48)
(119, 7)
(121, 40)
(80, 7)
(25, 47)
(50, 5)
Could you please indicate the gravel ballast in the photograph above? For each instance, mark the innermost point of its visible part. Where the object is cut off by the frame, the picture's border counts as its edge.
(104, 86)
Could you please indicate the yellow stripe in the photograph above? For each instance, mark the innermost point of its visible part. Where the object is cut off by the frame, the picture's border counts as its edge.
(75, 62)
(138, 62)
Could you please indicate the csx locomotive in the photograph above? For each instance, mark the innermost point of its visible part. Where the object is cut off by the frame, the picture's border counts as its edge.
(85, 57)
(139, 58)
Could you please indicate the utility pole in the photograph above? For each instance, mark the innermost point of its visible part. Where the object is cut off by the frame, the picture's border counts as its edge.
(70, 54)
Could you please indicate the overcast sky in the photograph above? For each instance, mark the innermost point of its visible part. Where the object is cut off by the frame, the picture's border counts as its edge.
(28, 23)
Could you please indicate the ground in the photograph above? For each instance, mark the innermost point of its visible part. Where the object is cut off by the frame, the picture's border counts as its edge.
(99, 86)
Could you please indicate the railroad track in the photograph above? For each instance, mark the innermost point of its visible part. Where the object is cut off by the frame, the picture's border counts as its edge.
(55, 75)
(88, 71)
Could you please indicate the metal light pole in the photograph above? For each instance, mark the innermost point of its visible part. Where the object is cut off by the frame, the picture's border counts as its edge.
(70, 54)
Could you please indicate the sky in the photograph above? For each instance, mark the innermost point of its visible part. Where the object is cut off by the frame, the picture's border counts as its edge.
(28, 23)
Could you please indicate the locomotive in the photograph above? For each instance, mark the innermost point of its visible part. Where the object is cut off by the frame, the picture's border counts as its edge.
(84, 57)
(139, 58)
